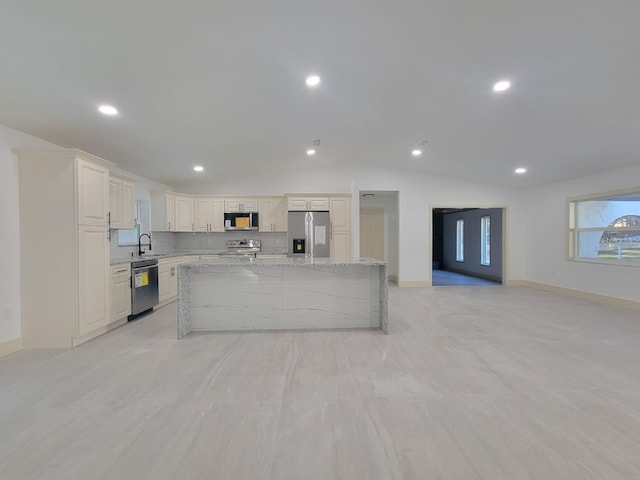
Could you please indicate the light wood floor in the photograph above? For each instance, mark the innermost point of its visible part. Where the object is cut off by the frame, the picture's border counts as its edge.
(472, 383)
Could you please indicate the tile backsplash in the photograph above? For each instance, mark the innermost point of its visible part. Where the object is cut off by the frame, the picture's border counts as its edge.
(169, 242)
(162, 242)
(218, 240)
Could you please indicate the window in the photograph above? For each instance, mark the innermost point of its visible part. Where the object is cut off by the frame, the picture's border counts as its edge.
(605, 228)
(485, 240)
(130, 237)
(460, 240)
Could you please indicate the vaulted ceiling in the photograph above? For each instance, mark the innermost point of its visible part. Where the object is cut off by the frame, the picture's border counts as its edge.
(222, 84)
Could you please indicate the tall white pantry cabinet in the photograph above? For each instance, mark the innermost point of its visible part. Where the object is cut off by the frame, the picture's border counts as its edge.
(64, 258)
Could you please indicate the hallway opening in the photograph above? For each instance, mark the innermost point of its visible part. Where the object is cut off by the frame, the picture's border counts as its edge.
(467, 246)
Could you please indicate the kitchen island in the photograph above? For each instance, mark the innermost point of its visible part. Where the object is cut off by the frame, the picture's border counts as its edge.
(281, 294)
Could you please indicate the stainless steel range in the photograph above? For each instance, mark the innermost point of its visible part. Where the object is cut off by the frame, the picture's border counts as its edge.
(242, 248)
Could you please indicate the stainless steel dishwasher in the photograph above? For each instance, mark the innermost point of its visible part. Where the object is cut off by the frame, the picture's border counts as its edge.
(144, 286)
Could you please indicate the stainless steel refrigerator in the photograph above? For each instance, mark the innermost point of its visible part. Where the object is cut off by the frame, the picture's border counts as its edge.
(309, 234)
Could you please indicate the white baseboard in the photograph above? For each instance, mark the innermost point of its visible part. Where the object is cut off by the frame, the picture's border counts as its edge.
(75, 341)
(10, 346)
(166, 302)
(595, 297)
(404, 284)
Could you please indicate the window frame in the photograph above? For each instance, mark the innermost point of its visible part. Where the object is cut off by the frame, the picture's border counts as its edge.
(573, 231)
(460, 240)
(485, 240)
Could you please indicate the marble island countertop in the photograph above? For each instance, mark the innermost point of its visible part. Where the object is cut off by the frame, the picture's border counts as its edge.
(294, 262)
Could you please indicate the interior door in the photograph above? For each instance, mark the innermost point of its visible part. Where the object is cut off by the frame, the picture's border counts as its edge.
(372, 233)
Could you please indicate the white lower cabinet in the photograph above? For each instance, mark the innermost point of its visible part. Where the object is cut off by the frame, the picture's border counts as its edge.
(120, 291)
(93, 279)
(168, 278)
(166, 273)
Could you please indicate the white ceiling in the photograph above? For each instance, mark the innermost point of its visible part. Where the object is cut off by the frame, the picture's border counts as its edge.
(222, 84)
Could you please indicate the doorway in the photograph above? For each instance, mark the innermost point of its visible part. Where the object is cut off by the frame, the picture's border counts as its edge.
(379, 228)
(468, 246)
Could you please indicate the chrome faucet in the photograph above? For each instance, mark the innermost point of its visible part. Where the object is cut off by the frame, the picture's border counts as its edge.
(140, 251)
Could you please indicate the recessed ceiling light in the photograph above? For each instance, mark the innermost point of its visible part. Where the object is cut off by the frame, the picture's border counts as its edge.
(108, 110)
(311, 151)
(501, 86)
(198, 168)
(416, 152)
(520, 170)
(313, 81)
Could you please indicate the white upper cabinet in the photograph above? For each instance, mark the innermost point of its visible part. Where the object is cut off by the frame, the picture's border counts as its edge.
(273, 217)
(93, 193)
(233, 205)
(208, 214)
(340, 218)
(317, 204)
(163, 211)
(340, 212)
(184, 213)
(115, 211)
(122, 203)
(128, 205)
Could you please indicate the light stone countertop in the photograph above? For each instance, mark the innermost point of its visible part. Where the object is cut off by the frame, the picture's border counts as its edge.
(295, 262)
(120, 259)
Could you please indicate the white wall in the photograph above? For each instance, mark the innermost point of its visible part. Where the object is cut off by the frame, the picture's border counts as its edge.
(545, 233)
(418, 193)
(10, 231)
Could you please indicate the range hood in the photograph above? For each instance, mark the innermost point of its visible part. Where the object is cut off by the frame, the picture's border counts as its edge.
(234, 229)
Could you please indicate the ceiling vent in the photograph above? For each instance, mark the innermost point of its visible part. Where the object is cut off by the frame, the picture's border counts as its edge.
(422, 142)
(316, 142)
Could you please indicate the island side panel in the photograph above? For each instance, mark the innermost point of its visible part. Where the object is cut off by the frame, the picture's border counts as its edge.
(326, 296)
(236, 297)
(184, 300)
(287, 294)
(384, 297)
(374, 276)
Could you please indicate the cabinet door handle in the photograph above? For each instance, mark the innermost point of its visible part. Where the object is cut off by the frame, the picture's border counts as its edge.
(173, 271)
(169, 225)
(121, 271)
